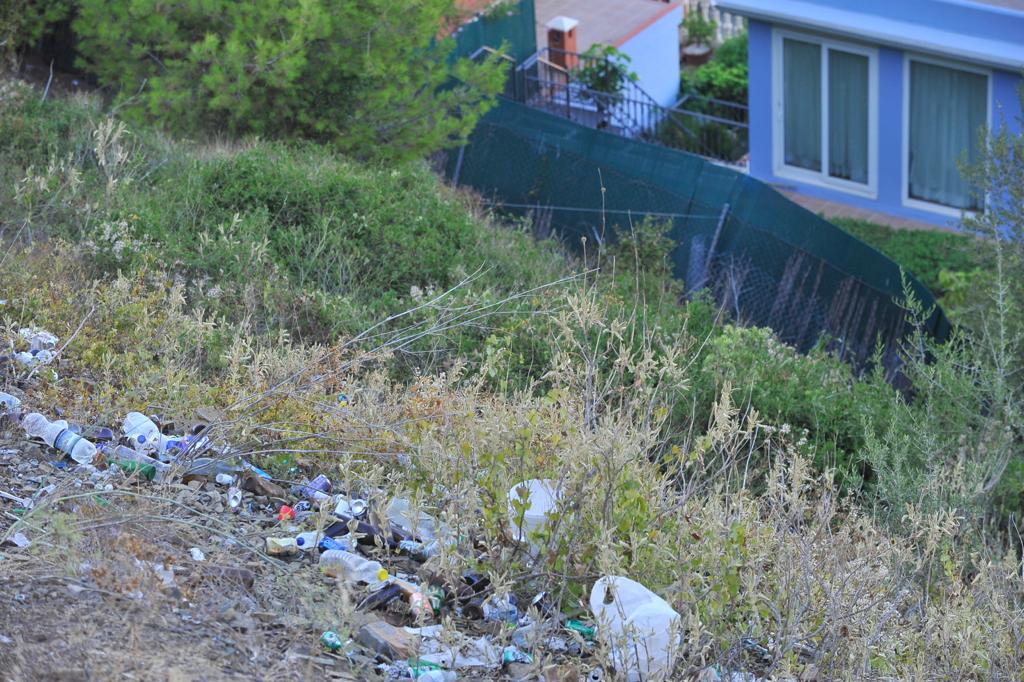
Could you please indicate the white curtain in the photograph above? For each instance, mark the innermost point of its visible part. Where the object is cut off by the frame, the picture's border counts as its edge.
(848, 116)
(947, 110)
(801, 106)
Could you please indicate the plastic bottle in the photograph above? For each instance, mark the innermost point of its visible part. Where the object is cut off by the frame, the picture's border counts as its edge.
(327, 543)
(8, 403)
(308, 540)
(535, 499)
(58, 435)
(640, 627)
(140, 431)
(210, 467)
(352, 567)
(421, 551)
(124, 454)
(501, 608)
(144, 435)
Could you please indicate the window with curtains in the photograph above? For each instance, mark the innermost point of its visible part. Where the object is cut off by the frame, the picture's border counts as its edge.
(826, 111)
(947, 109)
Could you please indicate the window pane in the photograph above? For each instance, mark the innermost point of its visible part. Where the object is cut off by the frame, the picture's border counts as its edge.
(848, 116)
(947, 108)
(801, 106)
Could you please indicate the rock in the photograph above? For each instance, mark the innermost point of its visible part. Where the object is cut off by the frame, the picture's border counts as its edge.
(210, 415)
(560, 673)
(386, 640)
(520, 672)
(262, 487)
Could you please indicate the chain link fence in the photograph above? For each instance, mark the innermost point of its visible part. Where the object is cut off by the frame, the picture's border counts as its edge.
(767, 260)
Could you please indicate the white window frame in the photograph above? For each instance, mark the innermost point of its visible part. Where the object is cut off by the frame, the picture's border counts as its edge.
(822, 178)
(921, 204)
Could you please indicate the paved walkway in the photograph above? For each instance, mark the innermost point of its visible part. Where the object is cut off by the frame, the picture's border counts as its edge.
(831, 209)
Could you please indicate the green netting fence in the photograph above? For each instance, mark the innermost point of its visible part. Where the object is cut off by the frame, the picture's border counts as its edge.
(509, 24)
(768, 261)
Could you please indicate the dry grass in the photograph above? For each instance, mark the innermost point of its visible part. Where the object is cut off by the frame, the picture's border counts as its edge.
(767, 555)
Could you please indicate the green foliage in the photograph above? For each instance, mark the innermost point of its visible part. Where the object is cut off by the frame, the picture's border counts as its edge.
(699, 30)
(604, 69)
(926, 254)
(947, 452)
(698, 136)
(815, 394)
(645, 248)
(371, 80)
(23, 22)
(724, 77)
(732, 52)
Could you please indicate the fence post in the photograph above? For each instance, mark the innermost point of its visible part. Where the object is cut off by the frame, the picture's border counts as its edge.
(714, 240)
(458, 165)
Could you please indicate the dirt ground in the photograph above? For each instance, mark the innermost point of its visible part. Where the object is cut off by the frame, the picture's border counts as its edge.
(90, 599)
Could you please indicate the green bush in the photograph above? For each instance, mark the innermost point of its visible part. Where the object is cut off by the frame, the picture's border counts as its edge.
(924, 253)
(373, 81)
(724, 77)
(813, 392)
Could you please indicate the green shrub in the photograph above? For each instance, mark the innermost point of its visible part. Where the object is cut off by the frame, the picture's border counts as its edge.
(699, 30)
(924, 253)
(724, 77)
(373, 81)
(813, 392)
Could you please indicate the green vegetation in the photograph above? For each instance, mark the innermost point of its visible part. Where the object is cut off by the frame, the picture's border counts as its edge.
(23, 22)
(699, 30)
(938, 258)
(709, 461)
(724, 77)
(372, 81)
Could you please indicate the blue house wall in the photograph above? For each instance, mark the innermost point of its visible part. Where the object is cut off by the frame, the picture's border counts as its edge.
(654, 56)
(1005, 107)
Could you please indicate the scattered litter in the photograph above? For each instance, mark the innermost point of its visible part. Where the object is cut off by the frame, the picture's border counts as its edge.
(639, 627)
(331, 641)
(8, 403)
(529, 505)
(197, 554)
(19, 540)
(282, 547)
(57, 435)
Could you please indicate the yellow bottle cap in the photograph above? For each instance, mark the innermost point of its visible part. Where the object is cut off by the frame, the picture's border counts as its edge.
(382, 575)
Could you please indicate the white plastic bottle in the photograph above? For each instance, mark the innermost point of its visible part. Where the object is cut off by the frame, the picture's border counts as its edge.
(58, 435)
(352, 567)
(8, 403)
(639, 627)
(141, 432)
(308, 540)
(129, 455)
(144, 435)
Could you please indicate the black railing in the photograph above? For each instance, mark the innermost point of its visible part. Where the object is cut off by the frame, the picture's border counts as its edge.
(714, 129)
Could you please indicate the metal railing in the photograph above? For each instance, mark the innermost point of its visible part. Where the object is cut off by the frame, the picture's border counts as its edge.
(714, 129)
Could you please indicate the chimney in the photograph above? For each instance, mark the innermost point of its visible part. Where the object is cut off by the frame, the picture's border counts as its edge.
(562, 41)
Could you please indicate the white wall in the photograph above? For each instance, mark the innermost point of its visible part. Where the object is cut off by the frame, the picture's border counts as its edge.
(654, 52)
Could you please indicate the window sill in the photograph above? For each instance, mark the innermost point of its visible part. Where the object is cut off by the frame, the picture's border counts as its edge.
(938, 209)
(816, 179)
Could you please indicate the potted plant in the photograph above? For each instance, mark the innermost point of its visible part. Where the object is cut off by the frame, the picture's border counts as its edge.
(699, 33)
(603, 72)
